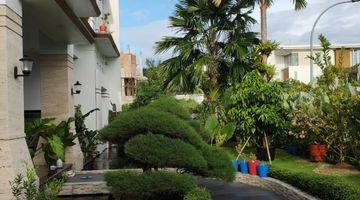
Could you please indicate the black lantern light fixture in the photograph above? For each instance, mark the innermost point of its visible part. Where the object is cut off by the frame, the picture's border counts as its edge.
(77, 88)
(27, 65)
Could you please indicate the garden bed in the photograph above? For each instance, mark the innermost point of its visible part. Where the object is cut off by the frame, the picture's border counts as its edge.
(303, 175)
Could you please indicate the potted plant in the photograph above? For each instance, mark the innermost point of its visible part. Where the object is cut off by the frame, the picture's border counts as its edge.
(259, 110)
(252, 164)
(263, 169)
(105, 21)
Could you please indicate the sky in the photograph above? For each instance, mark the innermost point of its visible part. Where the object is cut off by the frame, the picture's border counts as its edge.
(144, 22)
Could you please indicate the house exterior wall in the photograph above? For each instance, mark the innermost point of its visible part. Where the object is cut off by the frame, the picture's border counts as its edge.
(14, 155)
(301, 72)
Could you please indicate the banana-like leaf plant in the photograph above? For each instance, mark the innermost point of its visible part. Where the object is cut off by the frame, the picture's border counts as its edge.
(217, 132)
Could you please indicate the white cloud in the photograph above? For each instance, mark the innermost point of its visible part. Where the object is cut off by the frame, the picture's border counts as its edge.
(286, 26)
(143, 38)
(140, 15)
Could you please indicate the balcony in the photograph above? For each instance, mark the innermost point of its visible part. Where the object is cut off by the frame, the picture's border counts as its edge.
(84, 8)
(106, 44)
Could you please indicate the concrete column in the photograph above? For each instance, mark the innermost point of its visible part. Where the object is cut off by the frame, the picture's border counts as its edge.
(56, 74)
(14, 155)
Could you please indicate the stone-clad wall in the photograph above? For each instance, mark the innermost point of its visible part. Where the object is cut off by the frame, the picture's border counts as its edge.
(14, 155)
(57, 101)
(287, 191)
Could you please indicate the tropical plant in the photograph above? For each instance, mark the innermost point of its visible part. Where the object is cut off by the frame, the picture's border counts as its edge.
(212, 47)
(219, 133)
(259, 109)
(88, 139)
(56, 137)
(264, 5)
(151, 88)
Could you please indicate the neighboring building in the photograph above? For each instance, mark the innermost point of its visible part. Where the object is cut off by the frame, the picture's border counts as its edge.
(130, 76)
(292, 62)
(62, 37)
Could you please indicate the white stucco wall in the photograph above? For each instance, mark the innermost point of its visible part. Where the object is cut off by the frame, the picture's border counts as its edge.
(300, 72)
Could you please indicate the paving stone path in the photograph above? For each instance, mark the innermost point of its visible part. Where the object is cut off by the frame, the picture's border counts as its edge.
(236, 191)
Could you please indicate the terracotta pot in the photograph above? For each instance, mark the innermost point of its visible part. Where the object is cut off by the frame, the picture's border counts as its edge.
(252, 165)
(317, 152)
(322, 151)
(103, 28)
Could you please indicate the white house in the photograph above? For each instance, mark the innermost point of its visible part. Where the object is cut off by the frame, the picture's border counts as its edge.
(64, 40)
(292, 62)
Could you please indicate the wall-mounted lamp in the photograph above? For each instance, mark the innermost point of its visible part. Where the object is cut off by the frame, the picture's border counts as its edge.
(77, 88)
(27, 65)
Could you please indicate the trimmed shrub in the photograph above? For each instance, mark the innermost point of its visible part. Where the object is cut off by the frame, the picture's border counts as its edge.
(219, 163)
(171, 105)
(198, 194)
(151, 185)
(157, 151)
(200, 130)
(144, 120)
(324, 187)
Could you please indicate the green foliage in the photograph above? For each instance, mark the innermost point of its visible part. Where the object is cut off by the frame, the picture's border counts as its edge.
(219, 163)
(220, 133)
(324, 187)
(196, 124)
(171, 105)
(88, 139)
(56, 137)
(149, 89)
(201, 44)
(198, 194)
(156, 185)
(325, 113)
(26, 187)
(258, 107)
(157, 151)
(151, 120)
(145, 120)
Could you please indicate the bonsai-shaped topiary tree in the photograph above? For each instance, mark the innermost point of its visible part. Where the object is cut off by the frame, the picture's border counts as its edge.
(153, 137)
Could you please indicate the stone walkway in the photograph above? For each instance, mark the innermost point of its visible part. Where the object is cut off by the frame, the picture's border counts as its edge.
(236, 191)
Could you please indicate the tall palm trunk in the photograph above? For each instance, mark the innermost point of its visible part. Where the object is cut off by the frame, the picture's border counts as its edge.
(264, 31)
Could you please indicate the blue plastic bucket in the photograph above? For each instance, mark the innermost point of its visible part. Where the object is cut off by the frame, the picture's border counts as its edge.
(291, 150)
(243, 167)
(235, 164)
(263, 170)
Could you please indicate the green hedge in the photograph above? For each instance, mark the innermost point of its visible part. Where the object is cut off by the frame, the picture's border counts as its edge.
(198, 194)
(145, 120)
(157, 151)
(200, 130)
(155, 185)
(219, 163)
(171, 105)
(324, 187)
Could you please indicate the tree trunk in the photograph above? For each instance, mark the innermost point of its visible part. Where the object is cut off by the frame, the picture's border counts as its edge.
(264, 31)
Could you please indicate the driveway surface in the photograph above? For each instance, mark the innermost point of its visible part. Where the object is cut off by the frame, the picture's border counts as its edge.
(235, 191)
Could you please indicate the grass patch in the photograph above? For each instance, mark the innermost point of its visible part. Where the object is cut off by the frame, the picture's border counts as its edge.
(300, 173)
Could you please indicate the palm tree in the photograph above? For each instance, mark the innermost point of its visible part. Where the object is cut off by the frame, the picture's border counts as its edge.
(264, 5)
(212, 45)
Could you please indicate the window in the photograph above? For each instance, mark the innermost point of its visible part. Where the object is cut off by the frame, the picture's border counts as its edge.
(292, 60)
(355, 56)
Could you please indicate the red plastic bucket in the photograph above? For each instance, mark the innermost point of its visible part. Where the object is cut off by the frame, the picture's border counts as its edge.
(252, 165)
